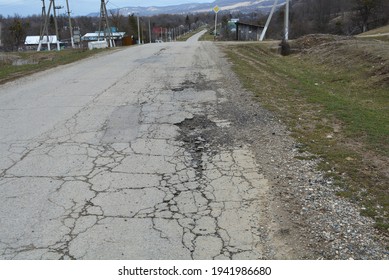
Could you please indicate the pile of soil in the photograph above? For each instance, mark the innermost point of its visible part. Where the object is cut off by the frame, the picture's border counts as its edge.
(313, 40)
(340, 51)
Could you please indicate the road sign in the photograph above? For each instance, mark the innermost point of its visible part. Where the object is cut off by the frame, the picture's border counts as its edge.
(216, 9)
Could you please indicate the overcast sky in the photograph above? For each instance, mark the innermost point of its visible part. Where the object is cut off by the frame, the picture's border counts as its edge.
(81, 7)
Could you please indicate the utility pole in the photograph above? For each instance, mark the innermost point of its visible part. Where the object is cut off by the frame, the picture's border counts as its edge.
(286, 38)
(45, 28)
(268, 21)
(216, 9)
(150, 31)
(56, 24)
(70, 25)
(142, 34)
(104, 23)
(138, 29)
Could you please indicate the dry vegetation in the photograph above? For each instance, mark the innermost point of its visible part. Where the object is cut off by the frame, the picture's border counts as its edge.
(377, 31)
(18, 64)
(333, 93)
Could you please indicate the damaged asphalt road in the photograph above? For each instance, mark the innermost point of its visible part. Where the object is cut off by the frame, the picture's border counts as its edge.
(141, 153)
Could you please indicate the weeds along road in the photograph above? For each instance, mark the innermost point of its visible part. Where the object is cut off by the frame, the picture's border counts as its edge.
(150, 152)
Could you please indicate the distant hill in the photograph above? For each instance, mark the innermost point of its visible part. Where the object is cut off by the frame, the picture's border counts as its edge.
(192, 8)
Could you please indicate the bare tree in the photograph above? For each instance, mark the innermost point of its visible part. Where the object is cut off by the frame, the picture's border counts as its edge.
(18, 32)
(366, 9)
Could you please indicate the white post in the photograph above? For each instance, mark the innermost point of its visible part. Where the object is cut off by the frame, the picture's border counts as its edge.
(150, 30)
(138, 30)
(216, 24)
(287, 21)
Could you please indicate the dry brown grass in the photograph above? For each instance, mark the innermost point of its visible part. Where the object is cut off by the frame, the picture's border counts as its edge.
(334, 95)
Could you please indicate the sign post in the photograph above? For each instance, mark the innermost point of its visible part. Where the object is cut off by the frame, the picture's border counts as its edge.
(286, 21)
(216, 9)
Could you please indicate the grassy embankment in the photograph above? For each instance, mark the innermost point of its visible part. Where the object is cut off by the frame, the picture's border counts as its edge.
(37, 61)
(381, 33)
(207, 37)
(334, 97)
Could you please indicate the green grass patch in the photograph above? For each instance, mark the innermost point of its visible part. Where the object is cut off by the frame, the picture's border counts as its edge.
(38, 61)
(380, 30)
(207, 36)
(336, 105)
(379, 38)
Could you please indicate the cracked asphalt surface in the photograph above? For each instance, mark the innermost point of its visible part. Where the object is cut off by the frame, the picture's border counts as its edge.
(99, 161)
(148, 152)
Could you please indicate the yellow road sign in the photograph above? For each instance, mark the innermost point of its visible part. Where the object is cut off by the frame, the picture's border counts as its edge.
(216, 9)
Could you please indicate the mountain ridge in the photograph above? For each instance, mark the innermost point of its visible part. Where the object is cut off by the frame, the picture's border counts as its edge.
(193, 8)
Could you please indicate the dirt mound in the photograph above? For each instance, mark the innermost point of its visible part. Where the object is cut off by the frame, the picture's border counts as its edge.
(370, 56)
(313, 40)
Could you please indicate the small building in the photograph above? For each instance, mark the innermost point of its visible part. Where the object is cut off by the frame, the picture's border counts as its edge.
(248, 32)
(32, 42)
(97, 45)
(95, 36)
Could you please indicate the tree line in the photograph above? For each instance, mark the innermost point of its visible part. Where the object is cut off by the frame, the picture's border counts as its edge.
(16, 28)
(341, 17)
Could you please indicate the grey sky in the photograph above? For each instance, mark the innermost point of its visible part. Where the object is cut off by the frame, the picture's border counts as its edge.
(81, 7)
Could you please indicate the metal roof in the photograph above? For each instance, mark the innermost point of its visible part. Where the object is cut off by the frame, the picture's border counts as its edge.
(95, 35)
(34, 40)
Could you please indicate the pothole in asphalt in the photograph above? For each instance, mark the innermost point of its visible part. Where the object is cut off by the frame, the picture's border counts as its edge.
(185, 85)
(197, 134)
